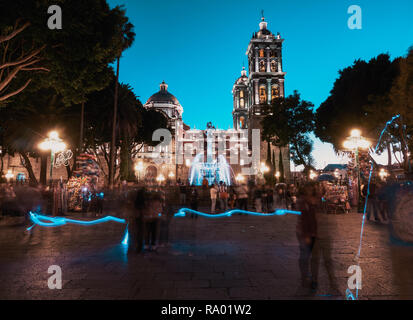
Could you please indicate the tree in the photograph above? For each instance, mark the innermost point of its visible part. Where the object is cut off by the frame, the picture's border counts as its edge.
(269, 176)
(281, 166)
(125, 39)
(347, 106)
(401, 102)
(78, 56)
(17, 54)
(134, 128)
(289, 124)
(25, 127)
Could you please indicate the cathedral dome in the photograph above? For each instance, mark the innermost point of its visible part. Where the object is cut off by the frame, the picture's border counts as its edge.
(163, 96)
(243, 79)
(264, 32)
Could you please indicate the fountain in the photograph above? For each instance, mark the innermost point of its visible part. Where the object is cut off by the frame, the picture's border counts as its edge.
(214, 170)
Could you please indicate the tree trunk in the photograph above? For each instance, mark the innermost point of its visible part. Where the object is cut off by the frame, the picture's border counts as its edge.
(389, 156)
(29, 168)
(281, 166)
(124, 160)
(43, 169)
(69, 171)
(113, 142)
(82, 117)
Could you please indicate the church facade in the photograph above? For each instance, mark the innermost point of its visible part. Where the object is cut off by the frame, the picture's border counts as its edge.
(252, 92)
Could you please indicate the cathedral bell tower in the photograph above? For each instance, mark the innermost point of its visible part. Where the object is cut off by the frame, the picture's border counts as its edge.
(265, 83)
(240, 92)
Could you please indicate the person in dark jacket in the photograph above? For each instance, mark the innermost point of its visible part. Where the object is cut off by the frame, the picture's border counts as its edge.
(309, 199)
(193, 199)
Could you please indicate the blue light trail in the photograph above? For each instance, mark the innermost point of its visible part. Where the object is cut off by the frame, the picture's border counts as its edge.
(349, 294)
(46, 221)
(278, 212)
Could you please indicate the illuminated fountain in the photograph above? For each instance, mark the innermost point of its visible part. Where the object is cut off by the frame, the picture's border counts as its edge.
(214, 170)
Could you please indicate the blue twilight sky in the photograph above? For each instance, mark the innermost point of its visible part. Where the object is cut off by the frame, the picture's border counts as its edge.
(198, 47)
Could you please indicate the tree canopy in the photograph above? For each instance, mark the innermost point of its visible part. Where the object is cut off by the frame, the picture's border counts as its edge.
(365, 96)
(74, 60)
(289, 124)
(346, 107)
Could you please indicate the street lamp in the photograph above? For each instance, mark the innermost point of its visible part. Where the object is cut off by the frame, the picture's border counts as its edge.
(312, 175)
(264, 168)
(354, 143)
(383, 174)
(277, 176)
(54, 144)
(9, 175)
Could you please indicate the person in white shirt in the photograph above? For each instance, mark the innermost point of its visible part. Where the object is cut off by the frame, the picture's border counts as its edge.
(213, 192)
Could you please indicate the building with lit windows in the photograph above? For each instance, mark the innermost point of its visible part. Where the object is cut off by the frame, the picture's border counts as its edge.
(252, 92)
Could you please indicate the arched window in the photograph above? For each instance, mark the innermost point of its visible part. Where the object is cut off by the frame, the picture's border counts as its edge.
(273, 66)
(275, 92)
(242, 122)
(261, 53)
(262, 66)
(241, 103)
(263, 94)
(241, 94)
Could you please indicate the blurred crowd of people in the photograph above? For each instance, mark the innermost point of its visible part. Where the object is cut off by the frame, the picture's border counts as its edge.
(260, 198)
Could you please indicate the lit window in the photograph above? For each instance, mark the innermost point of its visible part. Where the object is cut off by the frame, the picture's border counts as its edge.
(262, 66)
(275, 92)
(241, 94)
(262, 53)
(263, 95)
(273, 66)
(241, 103)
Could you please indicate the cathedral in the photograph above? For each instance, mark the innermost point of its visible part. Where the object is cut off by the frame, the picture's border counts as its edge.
(253, 93)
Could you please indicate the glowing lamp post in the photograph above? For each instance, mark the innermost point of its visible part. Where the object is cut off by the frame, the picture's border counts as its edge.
(383, 174)
(54, 144)
(9, 175)
(313, 175)
(354, 143)
(277, 176)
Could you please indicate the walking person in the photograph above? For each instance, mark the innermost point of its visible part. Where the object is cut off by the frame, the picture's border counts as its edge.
(264, 198)
(372, 203)
(193, 199)
(306, 231)
(242, 192)
(213, 191)
(153, 213)
(136, 222)
(223, 196)
(232, 198)
(182, 194)
(270, 198)
(280, 197)
(165, 219)
(257, 198)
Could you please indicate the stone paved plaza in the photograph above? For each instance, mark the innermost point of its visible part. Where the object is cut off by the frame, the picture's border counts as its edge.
(242, 257)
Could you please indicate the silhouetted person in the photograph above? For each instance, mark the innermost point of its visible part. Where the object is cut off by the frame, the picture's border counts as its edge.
(307, 232)
(193, 199)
